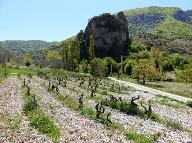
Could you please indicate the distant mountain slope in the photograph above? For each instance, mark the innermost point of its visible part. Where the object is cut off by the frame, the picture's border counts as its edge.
(172, 21)
(24, 47)
(169, 28)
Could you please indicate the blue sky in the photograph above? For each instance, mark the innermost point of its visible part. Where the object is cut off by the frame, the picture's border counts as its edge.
(55, 20)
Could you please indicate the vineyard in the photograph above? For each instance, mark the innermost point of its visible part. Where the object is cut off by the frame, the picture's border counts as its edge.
(55, 106)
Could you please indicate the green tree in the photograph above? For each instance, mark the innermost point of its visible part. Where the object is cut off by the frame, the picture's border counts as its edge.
(147, 71)
(167, 65)
(129, 64)
(98, 67)
(52, 57)
(84, 66)
(74, 54)
(111, 65)
(185, 75)
(27, 60)
(91, 48)
(77, 50)
(156, 55)
(137, 46)
(81, 41)
(65, 58)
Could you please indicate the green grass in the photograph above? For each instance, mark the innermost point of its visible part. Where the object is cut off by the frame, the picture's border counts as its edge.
(44, 124)
(15, 123)
(139, 138)
(12, 71)
(172, 124)
(169, 102)
(1, 79)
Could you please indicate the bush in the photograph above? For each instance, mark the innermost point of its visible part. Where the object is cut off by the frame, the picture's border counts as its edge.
(125, 107)
(28, 105)
(98, 67)
(167, 66)
(84, 66)
(129, 67)
(110, 62)
(185, 75)
(189, 103)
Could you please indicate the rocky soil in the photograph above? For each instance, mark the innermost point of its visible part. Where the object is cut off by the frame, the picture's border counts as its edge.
(14, 126)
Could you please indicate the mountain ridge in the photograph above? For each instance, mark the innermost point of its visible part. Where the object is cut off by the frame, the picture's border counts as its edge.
(24, 46)
(149, 18)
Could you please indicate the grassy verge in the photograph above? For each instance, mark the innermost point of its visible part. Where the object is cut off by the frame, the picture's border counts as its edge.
(1, 79)
(138, 138)
(44, 124)
(177, 88)
(15, 123)
(169, 102)
(13, 71)
(91, 114)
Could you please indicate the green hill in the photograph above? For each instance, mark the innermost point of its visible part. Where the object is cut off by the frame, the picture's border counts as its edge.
(157, 19)
(160, 26)
(24, 47)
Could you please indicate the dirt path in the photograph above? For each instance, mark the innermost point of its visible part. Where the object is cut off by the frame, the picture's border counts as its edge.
(151, 90)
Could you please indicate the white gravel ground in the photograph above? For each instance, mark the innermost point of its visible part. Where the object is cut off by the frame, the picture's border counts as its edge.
(10, 109)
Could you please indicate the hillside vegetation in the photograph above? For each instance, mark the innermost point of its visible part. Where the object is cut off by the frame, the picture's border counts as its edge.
(24, 47)
(151, 19)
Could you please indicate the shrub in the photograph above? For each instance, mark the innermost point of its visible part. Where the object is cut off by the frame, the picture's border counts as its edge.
(28, 105)
(185, 75)
(84, 66)
(110, 62)
(129, 67)
(167, 65)
(98, 67)
(125, 107)
(189, 103)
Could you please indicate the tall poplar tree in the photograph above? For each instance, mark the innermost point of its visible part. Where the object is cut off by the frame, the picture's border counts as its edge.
(91, 48)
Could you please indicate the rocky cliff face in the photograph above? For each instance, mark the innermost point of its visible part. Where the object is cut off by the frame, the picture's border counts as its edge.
(111, 35)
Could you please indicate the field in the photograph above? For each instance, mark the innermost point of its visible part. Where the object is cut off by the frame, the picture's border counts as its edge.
(61, 106)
